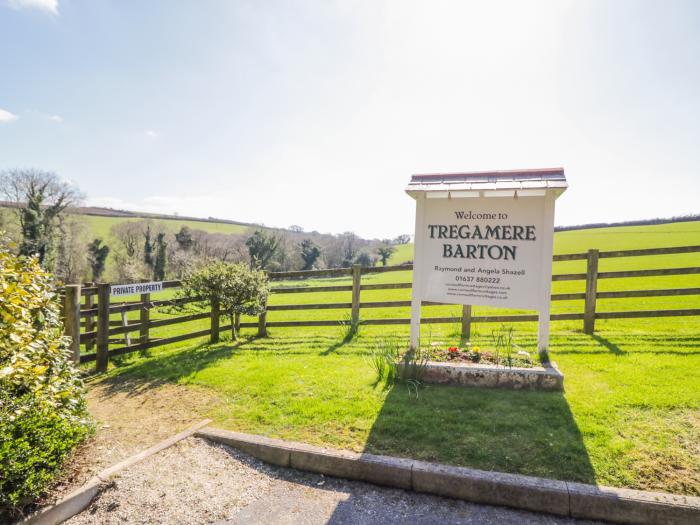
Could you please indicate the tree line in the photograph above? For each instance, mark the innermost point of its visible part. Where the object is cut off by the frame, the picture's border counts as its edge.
(42, 223)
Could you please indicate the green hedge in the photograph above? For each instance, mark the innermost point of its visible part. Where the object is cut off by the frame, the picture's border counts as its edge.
(43, 415)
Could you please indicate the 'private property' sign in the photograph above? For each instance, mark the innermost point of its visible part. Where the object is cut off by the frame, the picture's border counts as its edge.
(117, 290)
(485, 239)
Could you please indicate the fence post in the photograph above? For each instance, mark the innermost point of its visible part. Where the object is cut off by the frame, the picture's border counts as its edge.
(356, 282)
(89, 319)
(466, 322)
(236, 328)
(591, 292)
(262, 322)
(71, 316)
(102, 327)
(125, 322)
(214, 337)
(144, 317)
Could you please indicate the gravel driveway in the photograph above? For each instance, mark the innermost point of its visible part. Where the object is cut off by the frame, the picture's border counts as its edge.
(197, 482)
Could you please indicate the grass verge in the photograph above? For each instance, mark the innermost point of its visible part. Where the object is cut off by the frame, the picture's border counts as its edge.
(629, 417)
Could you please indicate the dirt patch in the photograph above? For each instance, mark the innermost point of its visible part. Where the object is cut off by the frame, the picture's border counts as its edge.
(130, 417)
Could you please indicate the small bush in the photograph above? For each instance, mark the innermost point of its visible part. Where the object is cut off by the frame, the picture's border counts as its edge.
(393, 364)
(43, 414)
(235, 288)
(383, 357)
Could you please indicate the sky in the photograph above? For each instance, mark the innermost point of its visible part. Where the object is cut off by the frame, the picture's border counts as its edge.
(316, 113)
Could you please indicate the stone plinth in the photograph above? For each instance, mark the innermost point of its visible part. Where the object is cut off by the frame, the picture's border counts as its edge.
(490, 376)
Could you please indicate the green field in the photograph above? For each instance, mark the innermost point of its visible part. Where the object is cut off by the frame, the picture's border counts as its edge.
(630, 415)
(615, 238)
(100, 226)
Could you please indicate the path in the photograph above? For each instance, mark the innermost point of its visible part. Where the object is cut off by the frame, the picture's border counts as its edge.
(198, 482)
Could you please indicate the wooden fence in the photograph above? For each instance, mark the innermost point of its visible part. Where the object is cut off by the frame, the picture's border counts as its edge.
(95, 316)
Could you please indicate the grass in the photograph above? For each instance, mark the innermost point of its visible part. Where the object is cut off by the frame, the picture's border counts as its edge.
(100, 226)
(630, 415)
(616, 238)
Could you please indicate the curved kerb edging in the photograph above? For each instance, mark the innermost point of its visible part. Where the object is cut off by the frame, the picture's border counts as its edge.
(78, 500)
(563, 498)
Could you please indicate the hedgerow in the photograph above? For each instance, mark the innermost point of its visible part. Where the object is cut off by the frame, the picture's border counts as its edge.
(43, 414)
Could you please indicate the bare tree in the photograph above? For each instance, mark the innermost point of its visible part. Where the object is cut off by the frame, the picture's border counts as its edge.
(40, 198)
(129, 235)
(72, 249)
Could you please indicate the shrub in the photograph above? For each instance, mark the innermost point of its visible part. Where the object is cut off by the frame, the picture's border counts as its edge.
(235, 288)
(43, 414)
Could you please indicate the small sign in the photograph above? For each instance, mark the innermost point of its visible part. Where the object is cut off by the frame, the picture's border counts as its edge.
(117, 290)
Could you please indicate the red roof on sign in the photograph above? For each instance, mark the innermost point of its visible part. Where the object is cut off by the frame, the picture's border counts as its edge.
(538, 172)
(520, 181)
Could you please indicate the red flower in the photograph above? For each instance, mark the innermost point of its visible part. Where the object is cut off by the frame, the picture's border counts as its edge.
(453, 349)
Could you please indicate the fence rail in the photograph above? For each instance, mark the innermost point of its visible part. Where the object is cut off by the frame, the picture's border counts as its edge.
(94, 317)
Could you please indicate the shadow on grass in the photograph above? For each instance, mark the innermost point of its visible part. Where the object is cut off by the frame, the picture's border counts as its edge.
(153, 372)
(344, 339)
(583, 344)
(532, 433)
(612, 347)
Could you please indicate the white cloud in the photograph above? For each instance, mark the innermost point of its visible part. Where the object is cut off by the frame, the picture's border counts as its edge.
(151, 133)
(6, 116)
(49, 6)
(55, 118)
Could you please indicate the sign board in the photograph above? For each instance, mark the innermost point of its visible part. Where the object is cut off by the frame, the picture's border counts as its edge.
(118, 290)
(485, 239)
(483, 251)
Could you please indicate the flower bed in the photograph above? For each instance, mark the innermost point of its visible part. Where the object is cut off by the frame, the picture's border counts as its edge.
(469, 354)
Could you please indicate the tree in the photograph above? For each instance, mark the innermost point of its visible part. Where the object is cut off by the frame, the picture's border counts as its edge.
(148, 248)
(40, 197)
(402, 239)
(365, 259)
(71, 265)
(310, 252)
(234, 288)
(184, 239)
(296, 229)
(128, 252)
(129, 236)
(385, 252)
(262, 247)
(97, 256)
(161, 258)
(350, 245)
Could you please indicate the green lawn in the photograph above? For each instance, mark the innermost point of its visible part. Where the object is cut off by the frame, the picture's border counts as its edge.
(630, 415)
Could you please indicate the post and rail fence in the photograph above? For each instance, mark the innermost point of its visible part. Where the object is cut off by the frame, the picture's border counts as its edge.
(97, 327)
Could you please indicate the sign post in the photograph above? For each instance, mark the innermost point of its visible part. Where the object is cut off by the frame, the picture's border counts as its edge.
(485, 239)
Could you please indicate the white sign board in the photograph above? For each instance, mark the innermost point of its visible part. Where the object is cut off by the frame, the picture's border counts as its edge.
(484, 251)
(118, 290)
(485, 239)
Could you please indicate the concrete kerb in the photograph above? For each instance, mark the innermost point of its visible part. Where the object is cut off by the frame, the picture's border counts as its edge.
(562, 498)
(79, 499)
